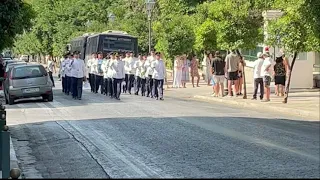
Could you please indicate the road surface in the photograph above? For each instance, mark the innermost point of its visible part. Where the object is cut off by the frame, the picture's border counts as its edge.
(139, 137)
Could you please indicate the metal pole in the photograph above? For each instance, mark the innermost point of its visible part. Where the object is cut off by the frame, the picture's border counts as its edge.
(149, 19)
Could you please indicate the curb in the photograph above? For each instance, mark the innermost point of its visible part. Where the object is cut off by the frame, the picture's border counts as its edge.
(283, 110)
(13, 158)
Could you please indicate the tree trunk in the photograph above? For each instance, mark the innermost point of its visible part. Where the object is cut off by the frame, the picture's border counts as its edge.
(285, 100)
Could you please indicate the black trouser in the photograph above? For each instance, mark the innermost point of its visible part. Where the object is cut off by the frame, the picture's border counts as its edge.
(97, 83)
(143, 87)
(126, 80)
(137, 84)
(105, 86)
(110, 87)
(158, 88)
(51, 77)
(68, 84)
(130, 83)
(77, 84)
(91, 81)
(149, 83)
(117, 88)
(258, 82)
(63, 82)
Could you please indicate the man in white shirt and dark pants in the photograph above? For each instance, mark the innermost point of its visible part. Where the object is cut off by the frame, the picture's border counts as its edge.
(68, 77)
(91, 71)
(78, 71)
(257, 75)
(132, 72)
(98, 73)
(159, 73)
(118, 76)
(63, 73)
(149, 73)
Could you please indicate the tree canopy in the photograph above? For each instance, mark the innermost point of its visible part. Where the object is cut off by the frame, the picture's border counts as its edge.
(15, 17)
(178, 26)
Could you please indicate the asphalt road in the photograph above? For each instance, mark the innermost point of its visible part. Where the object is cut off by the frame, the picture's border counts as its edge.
(138, 137)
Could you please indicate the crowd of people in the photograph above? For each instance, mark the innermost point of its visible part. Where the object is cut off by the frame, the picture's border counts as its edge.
(230, 68)
(113, 74)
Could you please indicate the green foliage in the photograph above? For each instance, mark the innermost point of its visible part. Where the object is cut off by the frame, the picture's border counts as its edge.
(238, 24)
(205, 36)
(175, 38)
(15, 16)
(297, 29)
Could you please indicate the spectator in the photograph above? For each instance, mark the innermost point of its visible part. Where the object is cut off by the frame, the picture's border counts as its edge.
(194, 65)
(218, 72)
(232, 67)
(257, 75)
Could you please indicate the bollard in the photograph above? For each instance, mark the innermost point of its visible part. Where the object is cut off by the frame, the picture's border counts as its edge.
(15, 173)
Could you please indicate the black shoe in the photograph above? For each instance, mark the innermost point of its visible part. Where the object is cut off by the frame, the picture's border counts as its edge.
(161, 99)
(156, 98)
(79, 98)
(136, 94)
(148, 96)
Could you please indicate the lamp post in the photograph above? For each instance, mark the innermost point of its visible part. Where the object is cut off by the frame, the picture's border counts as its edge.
(150, 5)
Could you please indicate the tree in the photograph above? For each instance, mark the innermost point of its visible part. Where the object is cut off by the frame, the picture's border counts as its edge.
(15, 16)
(205, 32)
(297, 29)
(238, 24)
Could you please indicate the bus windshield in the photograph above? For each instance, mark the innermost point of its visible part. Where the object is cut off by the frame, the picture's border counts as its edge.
(118, 43)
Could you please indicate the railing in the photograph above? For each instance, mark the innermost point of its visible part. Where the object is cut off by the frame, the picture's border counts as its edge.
(316, 68)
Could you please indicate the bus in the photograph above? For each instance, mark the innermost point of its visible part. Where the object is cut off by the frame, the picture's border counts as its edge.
(106, 42)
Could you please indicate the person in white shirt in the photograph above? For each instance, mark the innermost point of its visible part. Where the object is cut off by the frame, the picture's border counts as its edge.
(63, 73)
(140, 74)
(51, 68)
(132, 72)
(91, 70)
(118, 76)
(78, 70)
(108, 74)
(67, 70)
(159, 73)
(257, 75)
(266, 70)
(59, 75)
(98, 73)
(149, 80)
(127, 70)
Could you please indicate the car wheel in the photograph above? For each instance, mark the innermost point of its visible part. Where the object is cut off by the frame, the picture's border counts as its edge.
(10, 100)
(50, 97)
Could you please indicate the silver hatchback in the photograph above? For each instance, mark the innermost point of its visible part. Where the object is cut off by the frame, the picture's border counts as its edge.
(25, 81)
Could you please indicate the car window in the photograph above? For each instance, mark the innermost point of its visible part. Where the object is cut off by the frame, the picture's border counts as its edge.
(9, 66)
(28, 72)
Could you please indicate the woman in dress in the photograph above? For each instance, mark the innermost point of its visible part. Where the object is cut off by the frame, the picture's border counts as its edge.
(185, 71)
(194, 70)
(177, 72)
(280, 72)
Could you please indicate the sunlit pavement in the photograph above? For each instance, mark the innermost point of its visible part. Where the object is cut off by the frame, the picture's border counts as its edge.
(139, 137)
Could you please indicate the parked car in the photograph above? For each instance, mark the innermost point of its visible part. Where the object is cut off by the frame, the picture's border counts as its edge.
(11, 65)
(25, 81)
(5, 63)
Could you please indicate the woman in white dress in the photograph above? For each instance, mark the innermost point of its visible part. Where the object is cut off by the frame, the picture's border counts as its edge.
(177, 72)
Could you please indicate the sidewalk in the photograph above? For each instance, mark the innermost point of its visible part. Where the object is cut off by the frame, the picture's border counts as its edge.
(301, 102)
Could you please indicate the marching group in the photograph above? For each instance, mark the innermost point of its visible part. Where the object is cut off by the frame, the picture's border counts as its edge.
(114, 73)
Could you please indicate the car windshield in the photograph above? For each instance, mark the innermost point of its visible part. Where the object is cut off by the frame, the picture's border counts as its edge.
(24, 72)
